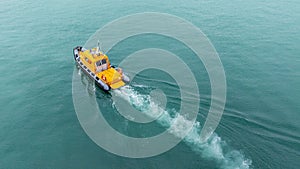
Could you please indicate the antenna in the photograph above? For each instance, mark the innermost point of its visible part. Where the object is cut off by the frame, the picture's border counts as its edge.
(98, 46)
(99, 50)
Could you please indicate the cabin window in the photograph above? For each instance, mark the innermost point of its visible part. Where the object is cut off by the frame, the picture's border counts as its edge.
(101, 65)
(101, 62)
(98, 63)
(87, 60)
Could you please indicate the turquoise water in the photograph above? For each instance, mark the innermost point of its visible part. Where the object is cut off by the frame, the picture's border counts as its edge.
(257, 42)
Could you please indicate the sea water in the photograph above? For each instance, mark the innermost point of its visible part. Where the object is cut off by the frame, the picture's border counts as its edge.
(257, 42)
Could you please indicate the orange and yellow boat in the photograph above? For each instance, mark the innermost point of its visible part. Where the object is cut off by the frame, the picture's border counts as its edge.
(98, 67)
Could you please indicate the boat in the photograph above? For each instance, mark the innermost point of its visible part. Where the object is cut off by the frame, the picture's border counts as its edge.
(97, 66)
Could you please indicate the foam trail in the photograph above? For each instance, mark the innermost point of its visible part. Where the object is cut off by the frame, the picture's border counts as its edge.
(213, 148)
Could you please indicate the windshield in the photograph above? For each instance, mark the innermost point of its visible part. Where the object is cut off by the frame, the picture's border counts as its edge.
(101, 62)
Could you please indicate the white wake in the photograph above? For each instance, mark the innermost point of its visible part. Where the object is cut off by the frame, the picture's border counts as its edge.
(213, 148)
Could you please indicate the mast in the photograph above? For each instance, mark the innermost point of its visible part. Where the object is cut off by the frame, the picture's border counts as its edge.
(98, 47)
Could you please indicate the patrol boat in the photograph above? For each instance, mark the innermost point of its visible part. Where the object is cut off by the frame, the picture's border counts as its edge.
(98, 67)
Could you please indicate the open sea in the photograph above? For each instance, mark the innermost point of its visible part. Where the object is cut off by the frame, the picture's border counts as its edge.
(258, 45)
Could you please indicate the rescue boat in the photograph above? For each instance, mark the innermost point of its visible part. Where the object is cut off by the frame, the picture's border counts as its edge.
(98, 67)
